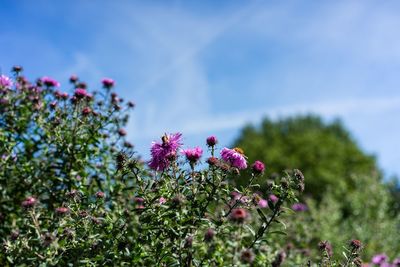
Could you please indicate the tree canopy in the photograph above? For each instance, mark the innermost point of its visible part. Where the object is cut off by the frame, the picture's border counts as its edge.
(325, 151)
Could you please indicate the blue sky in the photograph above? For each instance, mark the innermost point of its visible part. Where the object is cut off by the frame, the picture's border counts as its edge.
(210, 67)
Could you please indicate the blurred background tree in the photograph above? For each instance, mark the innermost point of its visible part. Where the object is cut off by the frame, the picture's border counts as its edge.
(325, 152)
(346, 194)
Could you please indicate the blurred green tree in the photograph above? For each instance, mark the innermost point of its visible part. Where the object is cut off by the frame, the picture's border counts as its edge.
(325, 152)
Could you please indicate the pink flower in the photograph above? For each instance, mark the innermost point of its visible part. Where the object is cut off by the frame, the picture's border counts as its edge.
(379, 258)
(273, 198)
(299, 207)
(62, 210)
(107, 82)
(29, 202)
(5, 81)
(238, 215)
(50, 82)
(162, 200)
(212, 141)
(161, 152)
(80, 93)
(193, 154)
(262, 203)
(86, 111)
(235, 157)
(258, 167)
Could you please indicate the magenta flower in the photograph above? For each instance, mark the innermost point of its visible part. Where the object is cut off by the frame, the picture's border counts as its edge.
(5, 81)
(107, 82)
(258, 167)
(299, 207)
(273, 198)
(379, 258)
(262, 203)
(396, 262)
(235, 157)
(193, 154)
(86, 111)
(29, 202)
(80, 93)
(212, 141)
(50, 82)
(162, 153)
(162, 200)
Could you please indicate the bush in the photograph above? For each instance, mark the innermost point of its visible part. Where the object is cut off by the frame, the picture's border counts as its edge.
(74, 193)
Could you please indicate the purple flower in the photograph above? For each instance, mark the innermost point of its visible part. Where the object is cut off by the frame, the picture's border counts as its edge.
(5, 81)
(379, 258)
(258, 167)
(161, 153)
(211, 140)
(107, 82)
(193, 154)
(396, 262)
(299, 207)
(50, 82)
(80, 93)
(273, 198)
(162, 200)
(235, 157)
(262, 203)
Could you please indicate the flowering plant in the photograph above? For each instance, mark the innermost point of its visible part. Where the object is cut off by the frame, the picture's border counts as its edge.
(73, 192)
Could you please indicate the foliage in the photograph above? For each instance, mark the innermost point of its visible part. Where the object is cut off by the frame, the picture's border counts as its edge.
(325, 151)
(74, 193)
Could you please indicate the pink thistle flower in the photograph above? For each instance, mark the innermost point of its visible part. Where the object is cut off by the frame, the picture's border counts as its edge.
(80, 93)
(238, 215)
(258, 167)
(162, 200)
(29, 202)
(107, 82)
(211, 141)
(5, 81)
(160, 152)
(193, 154)
(379, 258)
(235, 157)
(259, 201)
(299, 207)
(262, 203)
(62, 210)
(50, 82)
(73, 78)
(86, 111)
(273, 198)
